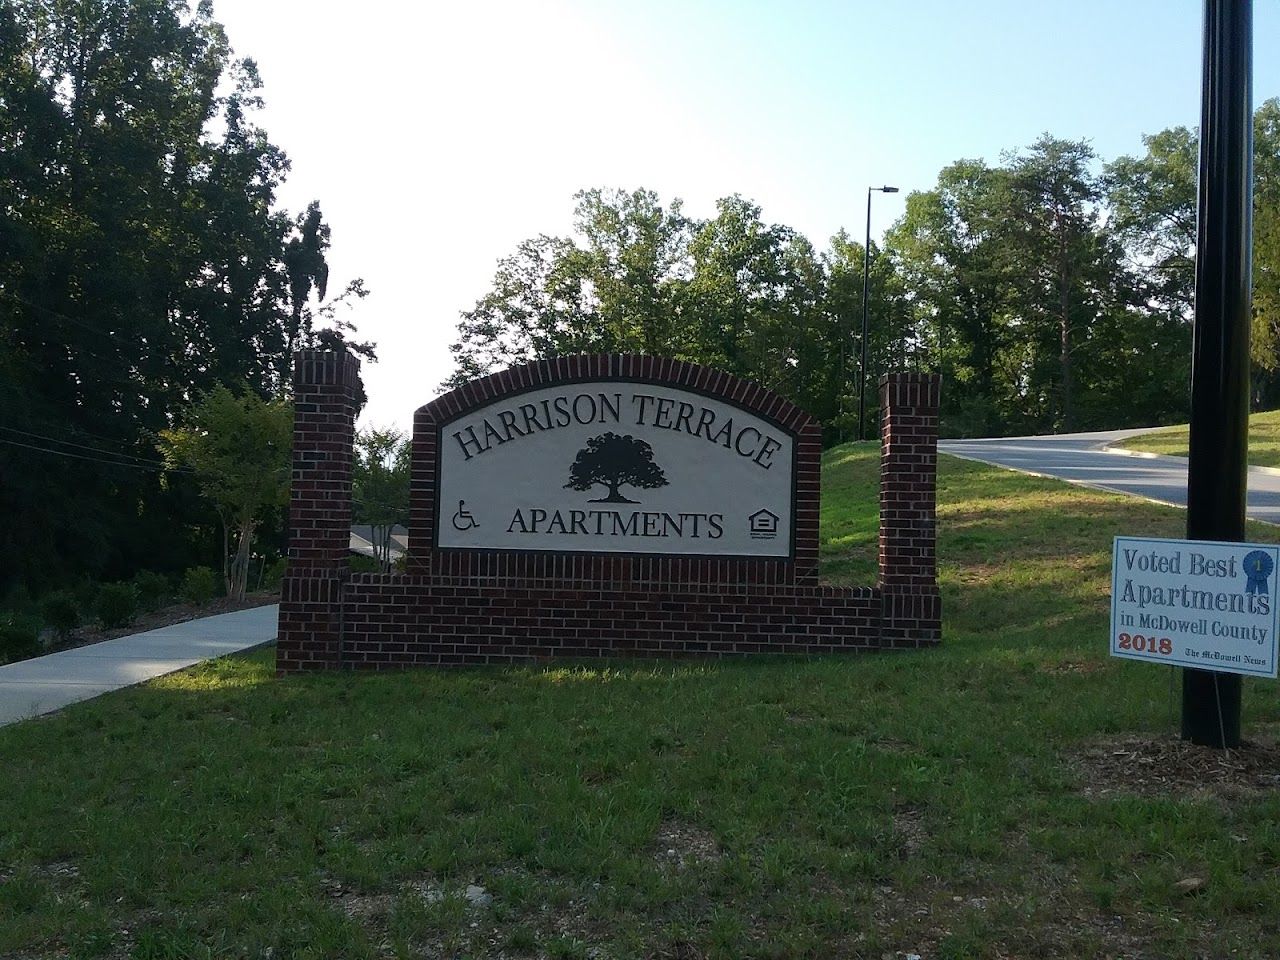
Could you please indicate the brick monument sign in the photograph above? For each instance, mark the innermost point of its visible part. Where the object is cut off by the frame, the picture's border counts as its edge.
(604, 505)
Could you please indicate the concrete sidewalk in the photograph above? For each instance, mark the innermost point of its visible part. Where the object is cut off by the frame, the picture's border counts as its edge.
(44, 684)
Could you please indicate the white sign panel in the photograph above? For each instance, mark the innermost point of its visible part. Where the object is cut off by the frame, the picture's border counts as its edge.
(616, 467)
(1196, 603)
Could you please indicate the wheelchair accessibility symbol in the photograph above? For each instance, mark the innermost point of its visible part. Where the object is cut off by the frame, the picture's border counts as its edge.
(463, 520)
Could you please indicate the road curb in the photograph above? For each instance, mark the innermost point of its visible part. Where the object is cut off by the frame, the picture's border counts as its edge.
(1141, 454)
(1076, 483)
(1148, 455)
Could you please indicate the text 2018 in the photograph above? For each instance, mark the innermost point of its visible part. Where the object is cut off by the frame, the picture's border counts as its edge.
(1141, 644)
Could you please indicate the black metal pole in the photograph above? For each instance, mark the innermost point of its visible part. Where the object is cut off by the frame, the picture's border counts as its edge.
(1220, 350)
(862, 368)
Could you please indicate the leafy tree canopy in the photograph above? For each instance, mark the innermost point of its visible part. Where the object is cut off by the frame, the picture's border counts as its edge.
(1053, 291)
(143, 260)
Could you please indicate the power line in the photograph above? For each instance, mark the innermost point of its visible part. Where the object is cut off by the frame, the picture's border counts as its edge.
(54, 313)
(82, 446)
(80, 456)
(78, 349)
(77, 430)
(130, 341)
(133, 381)
(133, 341)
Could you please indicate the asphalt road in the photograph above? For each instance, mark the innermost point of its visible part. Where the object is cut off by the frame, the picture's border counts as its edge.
(1081, 458)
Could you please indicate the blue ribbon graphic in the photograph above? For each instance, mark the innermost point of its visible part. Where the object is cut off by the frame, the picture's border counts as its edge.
(1257, 567)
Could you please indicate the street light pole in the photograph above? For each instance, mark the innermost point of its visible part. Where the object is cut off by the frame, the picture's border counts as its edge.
(862, 368)
(1217, 466)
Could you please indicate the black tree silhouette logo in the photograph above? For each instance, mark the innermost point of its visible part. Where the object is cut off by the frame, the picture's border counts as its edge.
(614, 461)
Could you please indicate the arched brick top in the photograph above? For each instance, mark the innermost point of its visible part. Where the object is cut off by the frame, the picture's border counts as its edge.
(806, 434)
(627, 366)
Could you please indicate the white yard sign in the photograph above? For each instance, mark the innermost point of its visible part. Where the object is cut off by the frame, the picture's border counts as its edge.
(1196, 603)
(617, 467)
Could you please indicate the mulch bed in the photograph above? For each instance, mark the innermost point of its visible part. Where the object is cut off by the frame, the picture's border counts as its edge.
(1164, 765)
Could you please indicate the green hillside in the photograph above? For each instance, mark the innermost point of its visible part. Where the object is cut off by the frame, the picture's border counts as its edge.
(1264, 440)
(1013, 793)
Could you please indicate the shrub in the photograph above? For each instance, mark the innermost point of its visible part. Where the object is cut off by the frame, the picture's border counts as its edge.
(19, 637)
(117, 605)
(86, 594)
(153, 590)
(199, 585)
(273, 576)
(362, 564)
(60, 611)
(18, 600)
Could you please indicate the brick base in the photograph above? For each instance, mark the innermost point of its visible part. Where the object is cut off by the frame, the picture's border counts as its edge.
(912, 619)
(310, 633)
(397, 620)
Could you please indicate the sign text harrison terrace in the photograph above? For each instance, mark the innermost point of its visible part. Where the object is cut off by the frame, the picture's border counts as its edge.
(672, 472)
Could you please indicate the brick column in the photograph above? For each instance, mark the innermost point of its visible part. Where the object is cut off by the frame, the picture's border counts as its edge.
(325, 387)
(912, 610)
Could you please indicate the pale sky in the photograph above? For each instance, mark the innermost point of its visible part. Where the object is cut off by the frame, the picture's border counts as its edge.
(437, 136)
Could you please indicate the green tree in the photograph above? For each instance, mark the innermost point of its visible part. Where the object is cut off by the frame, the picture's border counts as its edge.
(1153, 204)
(380, 485)
(637, 258)
(1153, 212)
(541, 305)
(104, 106)
(641, 277)
(1265, 343)
(237, 447)
(1051, 293)
(1061, 269)
(894, 341)
(755, 302)
(1042, 291)
(950, 248)
(143, 260)
(615, 287)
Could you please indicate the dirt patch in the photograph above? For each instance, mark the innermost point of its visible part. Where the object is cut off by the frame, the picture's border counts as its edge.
(1074, 665)
(60, 872)
(681, 950)
(1103, 934)
(909, 831)
(920, 922)
(475, 920)
(361, 907)
(373, 907)
(681, 844)
(890, 744)
(1161, 765)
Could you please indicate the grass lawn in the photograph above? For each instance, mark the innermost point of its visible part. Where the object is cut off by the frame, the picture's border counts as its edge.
(1015, 793)
(1264, 440)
